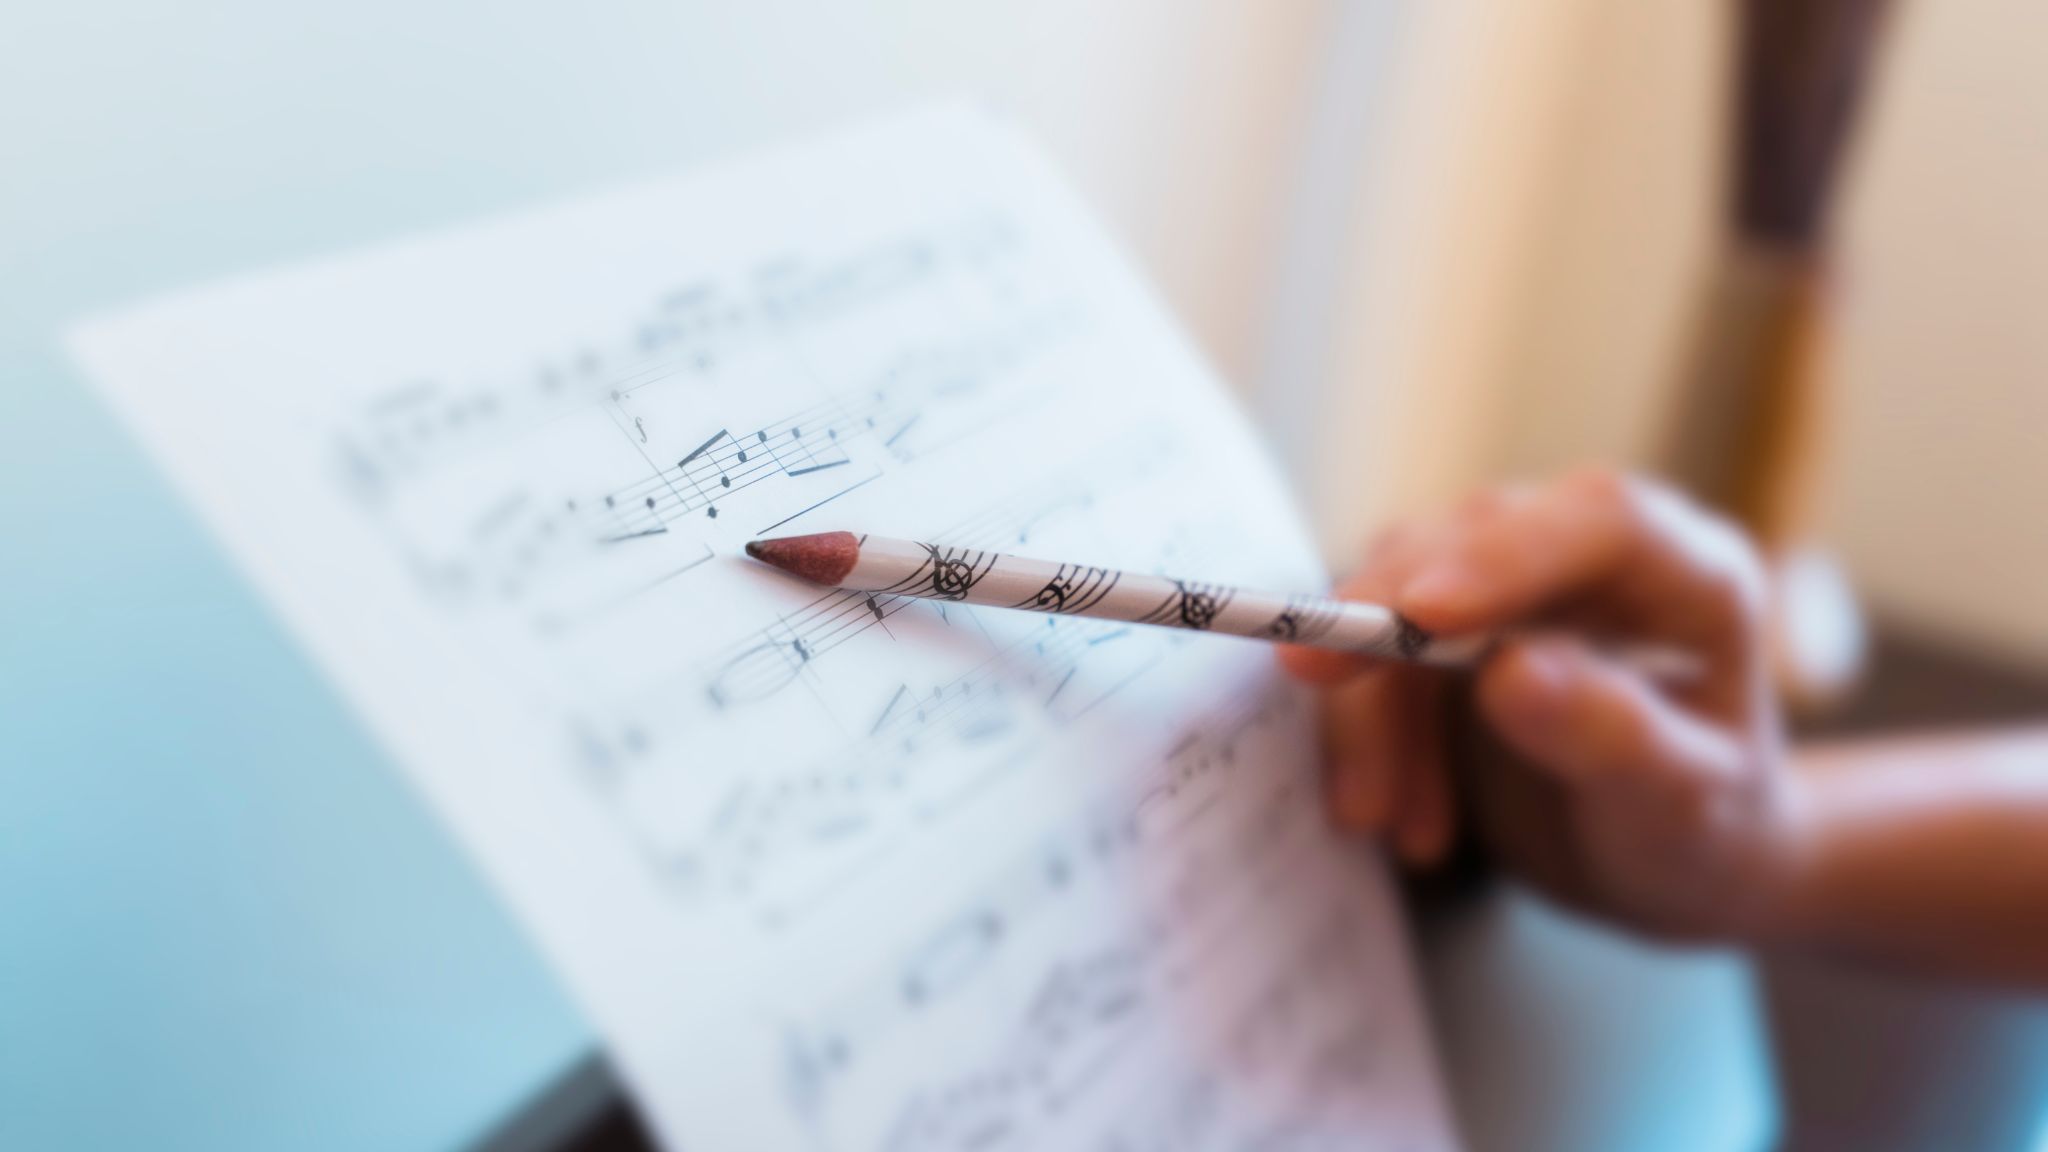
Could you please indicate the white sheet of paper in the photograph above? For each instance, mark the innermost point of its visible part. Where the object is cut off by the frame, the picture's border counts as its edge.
(829, 872)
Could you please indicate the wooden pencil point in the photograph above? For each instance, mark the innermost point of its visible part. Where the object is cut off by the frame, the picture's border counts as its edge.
(821, 558)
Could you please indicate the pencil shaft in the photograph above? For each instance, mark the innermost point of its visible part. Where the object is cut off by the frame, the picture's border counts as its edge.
(996, 579)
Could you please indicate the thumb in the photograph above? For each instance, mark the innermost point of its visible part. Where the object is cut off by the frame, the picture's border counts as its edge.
(1586, 720)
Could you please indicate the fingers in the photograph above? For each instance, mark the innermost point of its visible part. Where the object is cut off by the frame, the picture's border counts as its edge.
(1393, 557)
(1320, 665)
(1382, 728)
(1359, 718)
(1605, 551)
(1423, 823)
(1604, 788)
(1525, 817)
(1384, 759)
(1591, 723)
(1676, 571)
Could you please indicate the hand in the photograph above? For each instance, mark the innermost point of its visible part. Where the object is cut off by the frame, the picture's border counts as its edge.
(1666, 807)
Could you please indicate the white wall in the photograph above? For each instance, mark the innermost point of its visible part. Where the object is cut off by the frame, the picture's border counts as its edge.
(1522, 272)
(1940, 483)
(147, 144)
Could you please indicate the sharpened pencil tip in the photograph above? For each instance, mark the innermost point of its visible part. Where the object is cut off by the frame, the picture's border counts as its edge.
(821, 558)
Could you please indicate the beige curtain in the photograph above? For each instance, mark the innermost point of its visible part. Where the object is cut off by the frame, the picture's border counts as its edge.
(1520, 280)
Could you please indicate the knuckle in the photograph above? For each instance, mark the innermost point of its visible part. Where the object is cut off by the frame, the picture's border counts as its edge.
(1638, 509)
(1605, 730)
(1625, 734)
(1693, 803)
(1735, 573)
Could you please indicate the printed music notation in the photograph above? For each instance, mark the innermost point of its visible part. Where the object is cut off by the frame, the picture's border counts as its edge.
(1092, 1005)
(686, 343)
(682, 335)
(815, 455)
(770, 660)
(1086, 1014)
(895, 412)
(922, 746)
(828, 870)
(1225, 849)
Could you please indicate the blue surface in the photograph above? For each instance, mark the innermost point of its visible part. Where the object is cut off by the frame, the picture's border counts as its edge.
(227, 923)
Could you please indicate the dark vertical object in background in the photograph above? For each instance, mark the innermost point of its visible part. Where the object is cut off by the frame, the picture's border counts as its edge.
(1863, 1059)
(1747, 432)
(1802, 68)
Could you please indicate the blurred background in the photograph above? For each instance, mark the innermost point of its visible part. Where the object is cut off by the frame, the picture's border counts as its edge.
(1432, 243)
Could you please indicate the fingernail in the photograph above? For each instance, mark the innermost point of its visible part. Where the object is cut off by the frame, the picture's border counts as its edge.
(1541, 679)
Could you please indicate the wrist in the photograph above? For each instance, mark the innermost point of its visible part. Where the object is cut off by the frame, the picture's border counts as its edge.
(1784, 906)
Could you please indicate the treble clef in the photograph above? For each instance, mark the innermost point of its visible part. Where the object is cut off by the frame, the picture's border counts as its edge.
(951, 578)
(1197, 609)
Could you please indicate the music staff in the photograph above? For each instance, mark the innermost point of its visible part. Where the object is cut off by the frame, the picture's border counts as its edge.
(684, 335)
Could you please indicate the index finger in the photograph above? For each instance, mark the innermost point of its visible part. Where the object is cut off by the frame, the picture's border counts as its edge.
(1682, 573)
(1393, 557)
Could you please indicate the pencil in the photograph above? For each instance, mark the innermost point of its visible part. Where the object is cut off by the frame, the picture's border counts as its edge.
(885, 566)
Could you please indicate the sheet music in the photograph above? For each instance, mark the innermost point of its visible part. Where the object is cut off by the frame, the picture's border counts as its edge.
(829, 871)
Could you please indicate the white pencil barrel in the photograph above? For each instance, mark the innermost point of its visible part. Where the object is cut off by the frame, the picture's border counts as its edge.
(971, 576)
